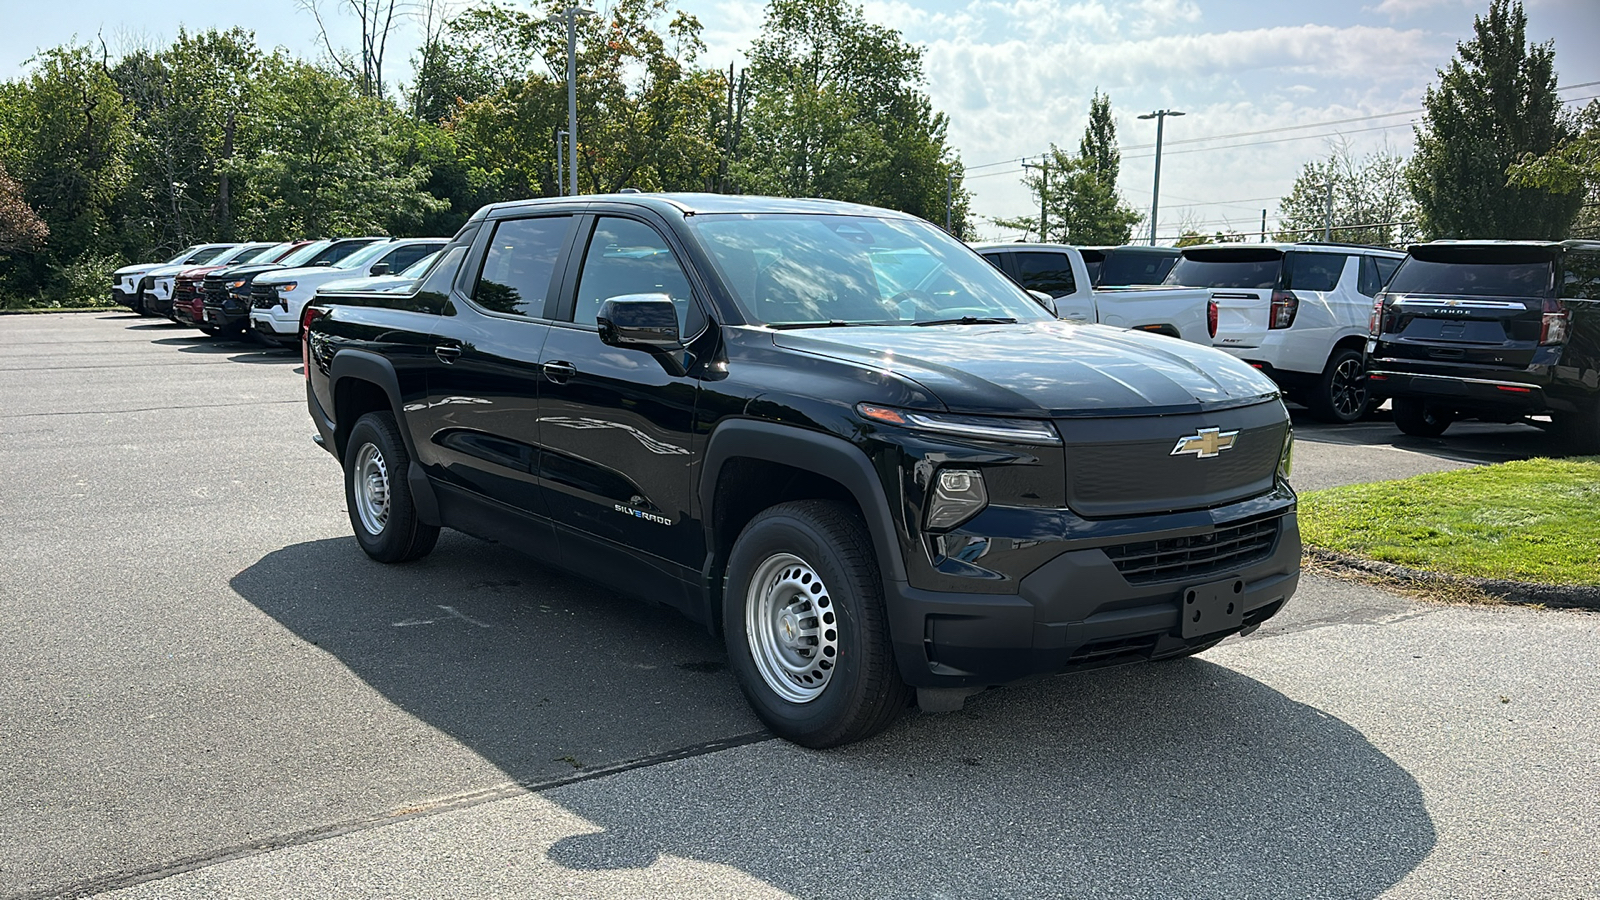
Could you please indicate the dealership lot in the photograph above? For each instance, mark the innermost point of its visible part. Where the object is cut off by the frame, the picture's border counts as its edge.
(204, 678)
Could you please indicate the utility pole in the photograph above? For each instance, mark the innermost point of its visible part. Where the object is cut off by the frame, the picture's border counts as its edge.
(1160, 116)
(572, 13)
(949, 192)
(561, 182)
(1263, 226)
(1044, 197)
(1327, 222)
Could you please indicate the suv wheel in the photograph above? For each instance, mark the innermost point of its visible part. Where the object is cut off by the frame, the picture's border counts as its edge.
(1414, 417)
(1340, 395)
(805, 626)
(378, 496)
(1580, 431)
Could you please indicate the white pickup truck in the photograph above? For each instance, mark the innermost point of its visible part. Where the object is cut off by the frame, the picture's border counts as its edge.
(1059, 270)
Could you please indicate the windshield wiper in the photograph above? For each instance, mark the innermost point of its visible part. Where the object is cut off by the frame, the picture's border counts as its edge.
(831, 323)
(969, 320)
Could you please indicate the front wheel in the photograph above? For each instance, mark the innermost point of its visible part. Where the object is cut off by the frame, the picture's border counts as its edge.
(805, 625)
(378, 497)
(1340, 394)
(1416, 418)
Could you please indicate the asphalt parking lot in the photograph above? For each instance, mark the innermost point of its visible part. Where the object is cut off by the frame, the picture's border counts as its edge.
(207, 690)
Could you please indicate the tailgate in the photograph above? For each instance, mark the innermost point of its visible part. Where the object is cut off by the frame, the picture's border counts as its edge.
(1241, 317)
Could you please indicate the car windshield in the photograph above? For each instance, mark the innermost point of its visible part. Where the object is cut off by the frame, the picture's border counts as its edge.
(305, 254)
(271, 254)
(420, 267)
(241, 254)
(1475, 272)
(363, 256)
(816, 270)
(1227, 269)
(207, 255)
(181, 257)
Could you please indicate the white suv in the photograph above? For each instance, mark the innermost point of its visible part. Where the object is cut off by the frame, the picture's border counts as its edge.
(1297, 312)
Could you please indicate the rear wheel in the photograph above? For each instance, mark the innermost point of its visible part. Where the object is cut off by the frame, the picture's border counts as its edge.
(1417, 418)
(382, 512)
(1340, 394)
(805, 625)
(1580, 431)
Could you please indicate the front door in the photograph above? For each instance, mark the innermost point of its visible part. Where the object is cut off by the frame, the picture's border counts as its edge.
(615, 425)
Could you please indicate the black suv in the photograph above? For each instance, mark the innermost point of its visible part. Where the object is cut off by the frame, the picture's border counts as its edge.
(1491, 330)
(831, 431)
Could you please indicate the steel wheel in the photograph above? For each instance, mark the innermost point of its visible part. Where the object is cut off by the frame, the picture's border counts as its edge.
(372, 489)
(791, 628)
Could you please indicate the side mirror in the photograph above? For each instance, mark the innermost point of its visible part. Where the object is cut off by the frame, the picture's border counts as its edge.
(647, 322)
(1045, 300)
(379, 269)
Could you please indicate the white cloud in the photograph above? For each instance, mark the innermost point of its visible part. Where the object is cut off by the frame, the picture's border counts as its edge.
(1402, 9)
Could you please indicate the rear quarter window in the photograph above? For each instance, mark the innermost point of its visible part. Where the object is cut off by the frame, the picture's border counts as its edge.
(1581, 281)
(1313, 271)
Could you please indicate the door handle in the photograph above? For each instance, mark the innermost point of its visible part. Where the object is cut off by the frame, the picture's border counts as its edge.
(560, 371)
(447, 353)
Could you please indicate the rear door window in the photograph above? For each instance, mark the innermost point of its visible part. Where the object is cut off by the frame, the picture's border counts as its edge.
(1313, 271)
(1228, 268)
(1475, 272)
(520, 264)
(1047, 272)
(1386, 266)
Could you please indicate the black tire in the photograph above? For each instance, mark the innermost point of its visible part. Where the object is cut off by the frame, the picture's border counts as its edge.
(1579, 432)
(1419, 419)
(1340, 396)
(860, 693)
(397, 535)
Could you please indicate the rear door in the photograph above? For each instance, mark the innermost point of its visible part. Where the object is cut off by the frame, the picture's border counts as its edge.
(1243, 279)
(1472, 304)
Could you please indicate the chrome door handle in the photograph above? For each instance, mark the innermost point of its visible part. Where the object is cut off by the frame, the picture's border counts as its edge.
(447, 353)
(559, 372)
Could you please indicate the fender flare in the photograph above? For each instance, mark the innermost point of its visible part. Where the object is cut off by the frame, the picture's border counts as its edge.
(363, 365)
(812, 451)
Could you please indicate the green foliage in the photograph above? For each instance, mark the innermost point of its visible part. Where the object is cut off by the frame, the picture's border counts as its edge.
(1494, 103)
(1081, 203)
(1573, 168)
(835, 110)
(1371, 203)
(20, 227)
(1192, 238)
(1530, 520)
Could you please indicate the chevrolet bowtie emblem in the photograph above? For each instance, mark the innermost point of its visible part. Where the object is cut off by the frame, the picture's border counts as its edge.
(1206, 443)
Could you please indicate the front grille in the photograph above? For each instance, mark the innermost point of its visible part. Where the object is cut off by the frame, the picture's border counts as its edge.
(263, 296)
(1196, 556)
(183, 292)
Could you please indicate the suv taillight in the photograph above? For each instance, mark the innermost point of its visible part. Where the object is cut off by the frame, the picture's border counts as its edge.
(1553, 330)
(311, 314)
(1211, 317)
(1375, 321)
(1284, 306)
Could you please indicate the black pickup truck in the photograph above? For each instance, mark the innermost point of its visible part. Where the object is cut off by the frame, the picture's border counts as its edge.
(832, 432)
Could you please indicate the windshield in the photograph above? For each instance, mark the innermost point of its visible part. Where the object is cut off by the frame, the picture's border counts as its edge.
(242, 254)
(305, 254)
(797, 270)
(1123, 268)
(1475, 274)
(272, 253)
(184, 256)
(1228, 269)
(363, 256)
(420, 267)
(207, 255)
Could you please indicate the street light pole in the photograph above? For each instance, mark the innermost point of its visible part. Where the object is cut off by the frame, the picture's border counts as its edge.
(1160, 116)
(572, 13)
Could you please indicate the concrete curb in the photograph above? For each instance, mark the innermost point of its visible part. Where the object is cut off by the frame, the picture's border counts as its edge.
(1528, 593)
(45, 311)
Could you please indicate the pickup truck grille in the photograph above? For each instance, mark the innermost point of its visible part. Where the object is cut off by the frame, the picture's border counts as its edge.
(1195, 556)
(263, 296)
(216, 293)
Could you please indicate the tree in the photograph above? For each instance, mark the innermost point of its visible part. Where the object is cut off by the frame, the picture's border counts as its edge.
(835, 110)
(377, 18)
(1573, 168)
(1191, 238)
(21, 229)
(1081, 202)
(1370, 201)
(1495, 103)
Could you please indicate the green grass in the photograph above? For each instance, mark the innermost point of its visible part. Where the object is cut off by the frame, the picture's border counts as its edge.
(1532, 520)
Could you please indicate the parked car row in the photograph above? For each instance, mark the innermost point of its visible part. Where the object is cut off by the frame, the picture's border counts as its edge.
(1501, 331)
(228, 290)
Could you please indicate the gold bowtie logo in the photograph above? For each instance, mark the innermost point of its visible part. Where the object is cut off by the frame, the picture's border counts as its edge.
(1205, 443)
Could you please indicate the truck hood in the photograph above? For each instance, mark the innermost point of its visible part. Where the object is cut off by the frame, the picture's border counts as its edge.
(281, 275)
(139, 269)
(1045, 369)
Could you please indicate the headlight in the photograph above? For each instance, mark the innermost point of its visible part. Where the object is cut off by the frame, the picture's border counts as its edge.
(1286, 458)
(983, 428)
(958, 495)
(287, 287)
(234, 285)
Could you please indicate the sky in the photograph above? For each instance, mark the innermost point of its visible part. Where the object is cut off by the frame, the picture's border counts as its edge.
(1288, 81)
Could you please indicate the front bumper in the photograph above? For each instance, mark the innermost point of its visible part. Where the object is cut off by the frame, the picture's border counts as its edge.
(1078, 610)
(264, 327)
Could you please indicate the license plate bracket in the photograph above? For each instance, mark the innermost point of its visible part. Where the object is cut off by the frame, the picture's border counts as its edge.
(1210, 608)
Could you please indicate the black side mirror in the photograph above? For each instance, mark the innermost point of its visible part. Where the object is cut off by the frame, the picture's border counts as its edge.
(647, 322)
(379, 269)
